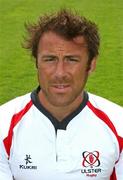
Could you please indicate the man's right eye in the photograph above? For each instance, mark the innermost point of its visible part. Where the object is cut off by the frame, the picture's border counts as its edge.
(49, 59)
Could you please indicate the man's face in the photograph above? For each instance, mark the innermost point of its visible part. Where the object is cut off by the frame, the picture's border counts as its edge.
(62, 68)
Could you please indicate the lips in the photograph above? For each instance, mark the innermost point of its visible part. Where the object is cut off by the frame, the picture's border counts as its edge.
(60, 88)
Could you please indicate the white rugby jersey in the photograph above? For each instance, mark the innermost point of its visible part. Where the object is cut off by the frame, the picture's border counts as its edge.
(86, 145)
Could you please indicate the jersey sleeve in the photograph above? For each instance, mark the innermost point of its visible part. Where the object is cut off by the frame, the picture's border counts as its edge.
(115, 114)
(7, 111)
(5, 171)
(119, 167)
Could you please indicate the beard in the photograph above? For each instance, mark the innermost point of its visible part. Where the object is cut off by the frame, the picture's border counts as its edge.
(65, 98)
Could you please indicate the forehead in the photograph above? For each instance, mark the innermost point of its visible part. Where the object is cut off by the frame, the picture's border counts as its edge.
(50, 40)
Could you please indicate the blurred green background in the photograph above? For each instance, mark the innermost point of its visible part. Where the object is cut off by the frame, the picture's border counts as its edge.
(17, 69)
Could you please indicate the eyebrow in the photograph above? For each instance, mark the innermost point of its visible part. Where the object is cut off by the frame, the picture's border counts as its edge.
(48, 55)
(51, 55)
(72, 56)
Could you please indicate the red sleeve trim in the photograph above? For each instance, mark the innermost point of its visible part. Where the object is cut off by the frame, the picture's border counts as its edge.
(113, 176)
(107, 121)
(15, 119)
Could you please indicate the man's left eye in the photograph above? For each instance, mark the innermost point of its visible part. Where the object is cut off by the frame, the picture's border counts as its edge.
(73, 59)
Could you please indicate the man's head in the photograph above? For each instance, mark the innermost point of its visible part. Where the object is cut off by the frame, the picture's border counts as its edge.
(65, 47)
(67, 25)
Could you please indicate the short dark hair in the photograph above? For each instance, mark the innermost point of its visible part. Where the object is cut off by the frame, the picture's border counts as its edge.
(66, 24)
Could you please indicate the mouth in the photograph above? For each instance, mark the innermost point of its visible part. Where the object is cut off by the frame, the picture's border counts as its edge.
(60, 88)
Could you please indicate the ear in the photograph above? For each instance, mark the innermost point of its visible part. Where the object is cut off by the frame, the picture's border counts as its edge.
(36, 63)
(92, 66)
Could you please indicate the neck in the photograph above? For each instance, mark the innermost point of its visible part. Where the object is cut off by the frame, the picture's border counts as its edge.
(60, 112)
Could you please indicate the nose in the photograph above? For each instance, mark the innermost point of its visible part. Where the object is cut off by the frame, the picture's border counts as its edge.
(60, 69)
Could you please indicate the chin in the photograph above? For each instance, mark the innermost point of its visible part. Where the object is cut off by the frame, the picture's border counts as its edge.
(60, 102)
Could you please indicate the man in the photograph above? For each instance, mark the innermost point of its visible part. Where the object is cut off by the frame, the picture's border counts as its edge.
(60, 131)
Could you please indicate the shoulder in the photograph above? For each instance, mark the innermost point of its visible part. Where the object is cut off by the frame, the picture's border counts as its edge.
(15, 104)
(104, 104)
(11, 108)
(110, 109)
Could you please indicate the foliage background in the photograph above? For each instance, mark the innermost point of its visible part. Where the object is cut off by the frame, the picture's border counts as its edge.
(17, 69)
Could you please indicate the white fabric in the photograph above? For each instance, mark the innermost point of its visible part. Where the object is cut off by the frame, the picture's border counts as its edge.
(87, 149)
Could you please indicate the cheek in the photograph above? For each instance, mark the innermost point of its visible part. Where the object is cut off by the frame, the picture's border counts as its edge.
(80, 74)
(44, 75)
(41, 75)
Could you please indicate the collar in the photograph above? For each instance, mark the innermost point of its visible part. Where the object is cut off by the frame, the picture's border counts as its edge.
(62, 124)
